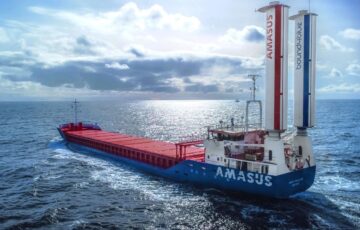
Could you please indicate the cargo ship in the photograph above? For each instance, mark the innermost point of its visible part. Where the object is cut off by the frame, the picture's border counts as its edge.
(246, 157)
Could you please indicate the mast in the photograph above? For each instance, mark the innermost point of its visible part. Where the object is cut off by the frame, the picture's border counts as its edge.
(76, 110)
(253, 100)
(253, 88)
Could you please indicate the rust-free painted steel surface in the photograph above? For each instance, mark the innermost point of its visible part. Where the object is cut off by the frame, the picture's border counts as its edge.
(150, 146)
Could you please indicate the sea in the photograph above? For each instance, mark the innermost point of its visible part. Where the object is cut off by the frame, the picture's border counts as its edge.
(46, 185)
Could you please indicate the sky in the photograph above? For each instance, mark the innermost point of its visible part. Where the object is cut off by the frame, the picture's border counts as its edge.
(179, 49)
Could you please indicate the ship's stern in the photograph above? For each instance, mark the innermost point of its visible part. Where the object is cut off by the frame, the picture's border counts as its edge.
(294, 182)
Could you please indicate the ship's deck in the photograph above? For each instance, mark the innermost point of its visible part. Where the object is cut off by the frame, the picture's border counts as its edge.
(141, 145)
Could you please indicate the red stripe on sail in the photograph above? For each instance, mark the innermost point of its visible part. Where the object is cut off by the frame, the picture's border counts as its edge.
(277, 74)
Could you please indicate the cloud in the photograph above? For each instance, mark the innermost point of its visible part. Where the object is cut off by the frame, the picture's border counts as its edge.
(247, 34)
(353, 69)
(158, 75)
(351, 34)
(93, 35)
(341, 88)
(198, 87)
(25, 90)
(104, 52)
(117, 65)
(3, 36)
(53, 45)
(137, 51)
(330, 43)
(83, 46)
(335, 73)
(321, 67)
(127, 16)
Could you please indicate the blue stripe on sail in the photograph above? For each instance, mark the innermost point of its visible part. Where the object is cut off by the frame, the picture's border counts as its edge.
(306, 71)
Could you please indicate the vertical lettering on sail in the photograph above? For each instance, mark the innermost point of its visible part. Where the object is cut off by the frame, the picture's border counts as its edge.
(276, 101)
(304, 73)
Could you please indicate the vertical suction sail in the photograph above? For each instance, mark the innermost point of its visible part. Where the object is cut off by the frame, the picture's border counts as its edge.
(276, 95)
(304, 74)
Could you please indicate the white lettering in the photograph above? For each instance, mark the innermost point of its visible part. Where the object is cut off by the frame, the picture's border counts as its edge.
(246, 177)
(230, 174)
(299, 38)
(259, 180)
(219, 172)
(269, 35)
(241, 176)
(250, 178)
(268, 181)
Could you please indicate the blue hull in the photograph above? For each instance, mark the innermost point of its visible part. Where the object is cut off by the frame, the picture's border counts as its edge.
(223, 178)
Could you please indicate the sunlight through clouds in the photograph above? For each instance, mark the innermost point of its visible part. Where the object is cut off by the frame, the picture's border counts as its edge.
(146, 48)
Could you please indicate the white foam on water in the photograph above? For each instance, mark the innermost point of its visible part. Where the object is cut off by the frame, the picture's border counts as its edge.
(321, 220)
(347, 208)
(169, 194)
(336, 182)
(120, 177)
(77, 223)
(58, 146)
(126, 179)
(63, 152)
(83, 184)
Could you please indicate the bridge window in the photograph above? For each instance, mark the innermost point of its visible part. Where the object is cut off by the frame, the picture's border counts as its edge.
(244, 166)
(265, 169)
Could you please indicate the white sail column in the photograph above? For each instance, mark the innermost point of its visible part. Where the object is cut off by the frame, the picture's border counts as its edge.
(304, 69)
(276, 78)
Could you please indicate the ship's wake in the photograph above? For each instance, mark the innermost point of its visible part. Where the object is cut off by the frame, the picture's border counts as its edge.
(307, 209)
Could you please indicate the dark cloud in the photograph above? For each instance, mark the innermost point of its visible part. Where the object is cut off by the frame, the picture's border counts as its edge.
(146, 75)
(187, 80)
(202, 88)
(83, 46)
(75, 74)
(82, 40)
(161, 89)
(173, 66)
(136, 52)
(254, 35)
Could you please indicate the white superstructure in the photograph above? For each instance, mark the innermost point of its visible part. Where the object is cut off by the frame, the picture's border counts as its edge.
(272, 151)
